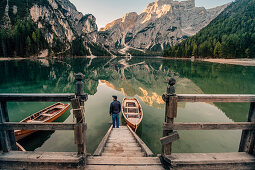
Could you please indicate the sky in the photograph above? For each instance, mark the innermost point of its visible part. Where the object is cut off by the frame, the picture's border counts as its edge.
(106, 11)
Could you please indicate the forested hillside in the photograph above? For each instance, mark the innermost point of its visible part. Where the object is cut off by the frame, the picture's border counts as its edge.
(19, 35)
(24, 39)
(230, 35)
(28, 27)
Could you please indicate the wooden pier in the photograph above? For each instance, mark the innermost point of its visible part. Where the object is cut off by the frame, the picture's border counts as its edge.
(244, 159)
(121, 148)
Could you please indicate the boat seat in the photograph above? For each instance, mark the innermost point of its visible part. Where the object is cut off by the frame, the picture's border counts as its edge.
(49, 115)
(58, 107)
(132, 113)
(36, 121)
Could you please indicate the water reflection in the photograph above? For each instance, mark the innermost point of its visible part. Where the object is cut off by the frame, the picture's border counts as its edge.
(144, 78)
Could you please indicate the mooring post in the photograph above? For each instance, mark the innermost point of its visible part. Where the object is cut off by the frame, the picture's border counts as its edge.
(7, 138)
(170, 113)
(247, 143)
(78, 111)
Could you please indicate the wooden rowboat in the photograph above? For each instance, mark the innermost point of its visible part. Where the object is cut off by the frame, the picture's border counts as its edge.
(132, 112)
(48, 114)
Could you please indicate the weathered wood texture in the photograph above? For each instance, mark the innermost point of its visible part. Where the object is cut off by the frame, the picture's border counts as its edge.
(236, 160)
(209, 126)
(122, 150)
(215, 98)
(79, 134)
(7, 137)
(38, 97)
(40, 160)
(123, 167)
(119, 142)
(170, 114)
(144, 147)
(79, 131)
(170, 138)
(102, 144)
(123, 161)
(247, 143)
(37, 126)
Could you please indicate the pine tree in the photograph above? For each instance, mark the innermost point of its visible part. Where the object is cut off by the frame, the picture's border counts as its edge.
(28, 46)
(194, 51)
(217, 50)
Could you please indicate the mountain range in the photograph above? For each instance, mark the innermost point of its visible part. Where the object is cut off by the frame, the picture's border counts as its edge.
(64, 28)
(161, 25)
(29, 27)
(230, 35)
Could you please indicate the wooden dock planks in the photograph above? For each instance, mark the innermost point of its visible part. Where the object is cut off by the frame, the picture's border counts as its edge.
(122, 151)
(234, 160)
(40, 160)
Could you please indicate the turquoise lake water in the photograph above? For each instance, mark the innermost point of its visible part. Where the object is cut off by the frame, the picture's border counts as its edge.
(144, 78)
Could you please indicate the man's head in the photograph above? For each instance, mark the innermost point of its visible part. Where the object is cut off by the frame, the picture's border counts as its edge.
(114, 97)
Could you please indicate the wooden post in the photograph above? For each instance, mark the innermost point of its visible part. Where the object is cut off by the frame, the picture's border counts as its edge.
(247, 143)
(78, 111)
(7, 138)
(170, 113)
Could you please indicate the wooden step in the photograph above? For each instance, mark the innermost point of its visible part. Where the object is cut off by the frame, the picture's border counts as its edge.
(235, 160)
(124, 127)
(121, 127)
(118, 137)
(120, 130)
(124, 154)
(123, 151)
(121, 145)
(39, 160)
(119, 167)
(102, 160)
(122, 141)
(114, 132)
(112, 149)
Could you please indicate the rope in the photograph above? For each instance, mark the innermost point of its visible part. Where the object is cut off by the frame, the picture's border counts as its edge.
(80, 109)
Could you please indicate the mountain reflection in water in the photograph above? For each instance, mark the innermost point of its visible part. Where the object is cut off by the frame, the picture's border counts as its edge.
(144, 78)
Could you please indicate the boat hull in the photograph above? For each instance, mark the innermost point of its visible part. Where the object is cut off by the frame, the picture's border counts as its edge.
(20, 134)
(139, 107)
(132, 126)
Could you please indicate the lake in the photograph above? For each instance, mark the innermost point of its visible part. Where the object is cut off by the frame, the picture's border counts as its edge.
(141, 77)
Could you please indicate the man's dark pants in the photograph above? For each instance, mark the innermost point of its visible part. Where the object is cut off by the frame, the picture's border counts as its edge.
(115, 117)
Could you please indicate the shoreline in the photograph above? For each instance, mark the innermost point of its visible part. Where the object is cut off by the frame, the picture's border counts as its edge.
(10, 59)
(240, 61)
(237, 61)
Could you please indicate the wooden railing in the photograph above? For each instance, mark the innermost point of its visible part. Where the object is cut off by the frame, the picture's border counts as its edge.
(7, 137)
(247, 143)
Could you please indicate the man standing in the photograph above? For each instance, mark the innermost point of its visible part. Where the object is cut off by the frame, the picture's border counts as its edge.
(115, 108)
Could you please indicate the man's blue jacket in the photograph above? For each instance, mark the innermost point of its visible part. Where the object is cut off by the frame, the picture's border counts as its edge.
(115, 107)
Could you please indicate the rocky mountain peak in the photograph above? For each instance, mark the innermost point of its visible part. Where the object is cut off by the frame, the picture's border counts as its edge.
(129, 17)
(125, 22)
(163, 23)
(64, 20)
